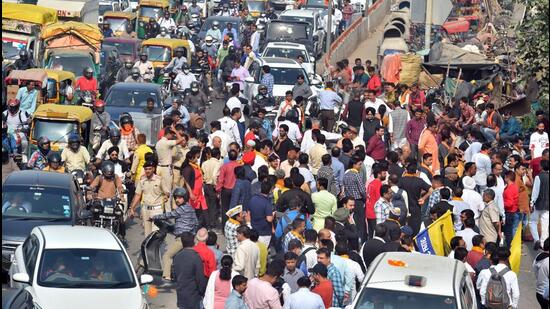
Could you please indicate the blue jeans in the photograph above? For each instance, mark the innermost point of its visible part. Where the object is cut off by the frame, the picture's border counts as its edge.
(489, 134)
(510, 227)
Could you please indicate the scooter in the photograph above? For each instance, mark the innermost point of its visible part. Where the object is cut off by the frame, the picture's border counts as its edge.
(150, 259)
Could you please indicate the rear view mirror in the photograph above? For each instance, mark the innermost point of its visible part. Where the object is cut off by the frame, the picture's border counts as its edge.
(249, 79)
(21, 278)
(145, 278)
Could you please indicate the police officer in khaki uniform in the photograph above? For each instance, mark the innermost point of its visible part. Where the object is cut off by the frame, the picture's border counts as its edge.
(178, 156)
(153, 193)
(164, 148)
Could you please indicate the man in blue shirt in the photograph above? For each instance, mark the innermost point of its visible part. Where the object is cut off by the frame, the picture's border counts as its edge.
(261, 212)
(233, 32)
(338, 168)
(328, 100)
(27, 96)
(511, 128)
(235, 299)
(267, 79)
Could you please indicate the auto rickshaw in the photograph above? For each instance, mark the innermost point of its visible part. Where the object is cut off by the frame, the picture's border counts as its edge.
(256, 7)
(18, 78)
(57, 122)
(161, 51)
(57, 83)
(148, 9)
(120, 21)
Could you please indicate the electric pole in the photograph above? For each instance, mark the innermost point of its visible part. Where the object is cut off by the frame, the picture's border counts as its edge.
(329, 25)
(428, 29)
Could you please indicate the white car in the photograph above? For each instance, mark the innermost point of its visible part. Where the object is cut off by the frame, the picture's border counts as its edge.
(411, 280)
(285, 72)
(290, 51)
(77, 267)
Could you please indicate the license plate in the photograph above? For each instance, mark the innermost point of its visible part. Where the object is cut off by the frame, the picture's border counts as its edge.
(108, 210)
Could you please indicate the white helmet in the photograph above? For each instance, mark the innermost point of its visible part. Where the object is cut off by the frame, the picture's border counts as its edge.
(209, 40)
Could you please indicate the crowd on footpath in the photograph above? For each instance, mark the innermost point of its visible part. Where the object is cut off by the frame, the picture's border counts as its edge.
(304, 211)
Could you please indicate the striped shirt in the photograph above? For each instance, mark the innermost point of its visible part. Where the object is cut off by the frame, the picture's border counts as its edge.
(353, 185)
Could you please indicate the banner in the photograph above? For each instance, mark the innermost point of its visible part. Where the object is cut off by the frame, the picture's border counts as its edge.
(436, 238)
(515, 250)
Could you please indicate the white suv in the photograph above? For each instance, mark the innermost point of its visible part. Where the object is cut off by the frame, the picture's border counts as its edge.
(77, 267)
(411, 280)
(290, 51)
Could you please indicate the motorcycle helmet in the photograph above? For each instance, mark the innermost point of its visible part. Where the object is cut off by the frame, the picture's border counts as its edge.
(44, 144)
(88, 72)
(185, 68)
(163, 31)
(74, 141)
(231, 49)
(128, 64)
(54, 157)
(262, 89)
(99, 103)
(114, 136)
(13, 105)
(190, 25)
(143, 56)
(135, 73)
(208, 40)
(126, 119)
(23, 55)
(108, 169)
(179, 51)
(195, 87)
(5, 155)
(225, 7)
(179, 191)
(215, 25)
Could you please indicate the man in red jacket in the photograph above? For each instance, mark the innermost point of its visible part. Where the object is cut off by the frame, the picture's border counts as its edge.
(206, 254)
(373, 195)
(376, 147)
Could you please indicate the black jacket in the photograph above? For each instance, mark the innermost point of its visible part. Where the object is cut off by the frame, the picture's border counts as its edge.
(190, 279)
(371, 249)
(349, 230)
(287, 196)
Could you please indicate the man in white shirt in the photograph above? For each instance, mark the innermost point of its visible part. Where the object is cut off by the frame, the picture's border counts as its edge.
(511, 279)
(230, 126)
(303, 297)
(184, 79)
(234, 102)
(167, 22)
(472, 197)
(538, 141)
(255, 38)
(468, 233)
(483, 165)
(216, 132)
(265, 148)
(293, 131)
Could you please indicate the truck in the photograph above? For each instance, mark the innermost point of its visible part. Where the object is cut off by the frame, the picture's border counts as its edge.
(66, 10)
(21, 27)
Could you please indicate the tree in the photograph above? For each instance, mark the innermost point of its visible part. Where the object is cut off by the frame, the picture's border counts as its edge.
(532, 46)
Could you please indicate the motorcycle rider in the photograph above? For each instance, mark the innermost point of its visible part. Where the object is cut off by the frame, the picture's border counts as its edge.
(8, 165)
(114, 140)
(24, 62)
(39, 158)
(54, 163)
(232, 33)
(87, 83)
(163, 34)
(195, 9)
(209, 47)
(186, 221)
(145, 67)
(14, 117)
(185, 78)
(167, 22)
(234, 8)
(101, 119)
(129, 132)
(177, 104)
(125, 71)
(214, 32)
(271, 14)
(225, 10)
(76, 156)
(262, 99)
(134, 77)
(177, 62)
(196, 101)
(228, 64)
(191, 37)
(108, 185)
(152, 28)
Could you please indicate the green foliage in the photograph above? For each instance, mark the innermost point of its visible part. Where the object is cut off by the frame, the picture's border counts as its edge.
(533, 46)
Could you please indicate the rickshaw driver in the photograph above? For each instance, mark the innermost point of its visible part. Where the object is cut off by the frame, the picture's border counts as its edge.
(24, 62)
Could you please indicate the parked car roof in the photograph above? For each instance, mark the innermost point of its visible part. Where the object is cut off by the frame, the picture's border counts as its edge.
(78, 237)
(38, 178)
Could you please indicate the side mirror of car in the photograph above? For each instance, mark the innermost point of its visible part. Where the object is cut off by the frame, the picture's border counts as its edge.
(21, 278)
(145, 278)
(249, 79)
(315, 82)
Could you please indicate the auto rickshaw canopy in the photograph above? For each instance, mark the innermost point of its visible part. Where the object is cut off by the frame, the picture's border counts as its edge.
(88, 33)
(125, 15)
(172, 43)
(60, 112)
(37, 75)
(458, 26)
(155, 3)
(29, 13)
(59, 75)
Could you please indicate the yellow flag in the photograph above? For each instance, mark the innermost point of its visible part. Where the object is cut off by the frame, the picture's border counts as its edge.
(515, 250)
(436, 238)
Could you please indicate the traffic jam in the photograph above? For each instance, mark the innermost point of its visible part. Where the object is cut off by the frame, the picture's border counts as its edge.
(251, 154)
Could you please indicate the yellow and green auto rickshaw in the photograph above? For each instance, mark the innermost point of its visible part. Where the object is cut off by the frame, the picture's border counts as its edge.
(120, 21)
(57, 122)
(57, 84)
(161, 51)
(149, 9)
(18, 78)
(256, 7)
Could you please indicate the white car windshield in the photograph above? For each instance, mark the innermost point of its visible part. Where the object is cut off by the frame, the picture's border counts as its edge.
(85, 269)
(287, 76)
(131, 98)
(390, 299)
(289, 53)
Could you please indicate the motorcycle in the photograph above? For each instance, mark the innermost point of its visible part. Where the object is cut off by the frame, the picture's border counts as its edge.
(150, 259)
(86, 98)
(106, 213)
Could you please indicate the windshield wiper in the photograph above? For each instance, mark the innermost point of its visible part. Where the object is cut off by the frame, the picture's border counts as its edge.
(21, 218)
(118, 285)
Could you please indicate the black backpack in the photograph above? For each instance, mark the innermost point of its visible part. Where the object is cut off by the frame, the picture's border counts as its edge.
(399, 202)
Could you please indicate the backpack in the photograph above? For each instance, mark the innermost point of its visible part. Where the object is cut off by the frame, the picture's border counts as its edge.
(496, 296)
(286, 220)
(302, 259)
(399, 202)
